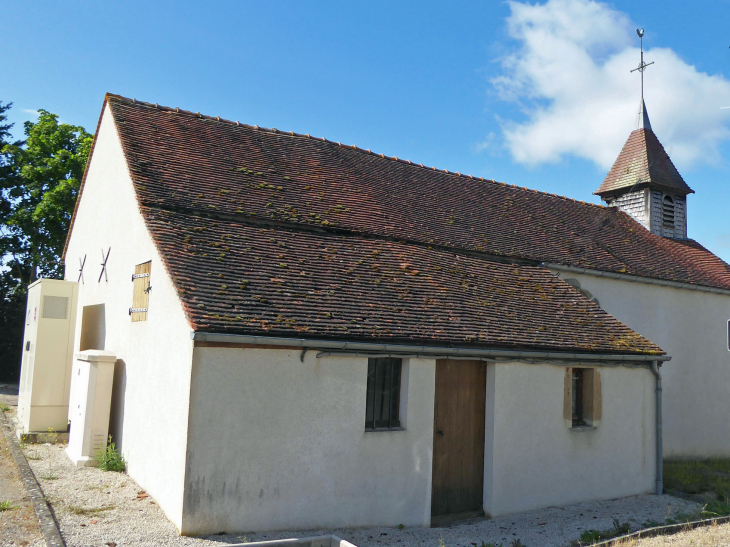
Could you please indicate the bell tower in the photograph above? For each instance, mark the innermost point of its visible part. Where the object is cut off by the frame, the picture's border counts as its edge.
(643, 181)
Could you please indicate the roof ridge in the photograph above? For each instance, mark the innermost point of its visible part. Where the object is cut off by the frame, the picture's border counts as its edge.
(356, 148)
(248, 220)
(666, 154)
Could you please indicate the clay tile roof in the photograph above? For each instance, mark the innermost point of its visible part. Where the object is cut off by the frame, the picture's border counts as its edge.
(236, 278)
(265, 231)
(184, 161)
(643, 161)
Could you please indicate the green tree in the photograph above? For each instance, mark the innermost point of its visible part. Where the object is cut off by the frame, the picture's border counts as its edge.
(39, 181)
(12, 299)
(6, 168)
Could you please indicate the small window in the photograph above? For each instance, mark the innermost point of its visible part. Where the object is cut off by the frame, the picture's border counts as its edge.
(141, 292)
(577, 397)
(582, 398)
(382, 407)
(668, 212)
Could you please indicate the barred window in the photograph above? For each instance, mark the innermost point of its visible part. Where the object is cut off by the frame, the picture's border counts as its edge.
(582, 400)
(382, 407)
(577, 400)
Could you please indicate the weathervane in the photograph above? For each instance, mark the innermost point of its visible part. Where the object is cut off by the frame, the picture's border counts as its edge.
(642, 65)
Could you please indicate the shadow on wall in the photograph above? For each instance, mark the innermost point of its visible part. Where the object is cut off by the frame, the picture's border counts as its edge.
(93, 328)
(116, 416)
(93, 336)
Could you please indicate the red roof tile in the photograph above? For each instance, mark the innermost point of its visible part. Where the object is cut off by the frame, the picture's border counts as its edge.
(187, 162)
(238, 278)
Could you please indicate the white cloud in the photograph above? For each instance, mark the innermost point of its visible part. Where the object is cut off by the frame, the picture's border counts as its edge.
(571, 74)
(487, 144)
(30, 111)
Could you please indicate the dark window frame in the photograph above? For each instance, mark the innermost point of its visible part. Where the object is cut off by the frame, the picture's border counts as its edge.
(382, 406)
(578, 410)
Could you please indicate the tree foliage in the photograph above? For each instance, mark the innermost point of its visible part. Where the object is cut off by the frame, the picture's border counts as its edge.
(39, 181)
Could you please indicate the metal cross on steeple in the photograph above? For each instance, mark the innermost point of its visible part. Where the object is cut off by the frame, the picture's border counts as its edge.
(642, 65)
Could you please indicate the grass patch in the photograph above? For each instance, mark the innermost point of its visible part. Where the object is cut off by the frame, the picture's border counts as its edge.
(52, 500)
(716, 509)
(111, 459)
(589, 537)
(6, 506)
(78, 510)
(51, 436)
(50, 478)
(709, 479)
(698, 477)
(4, 408)
(33, 456)
(100, 488)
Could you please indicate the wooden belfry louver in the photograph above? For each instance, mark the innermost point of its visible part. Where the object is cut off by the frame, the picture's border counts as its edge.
(141, 292)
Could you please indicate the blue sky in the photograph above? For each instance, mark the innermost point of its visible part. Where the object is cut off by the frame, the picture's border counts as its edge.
(535, 95)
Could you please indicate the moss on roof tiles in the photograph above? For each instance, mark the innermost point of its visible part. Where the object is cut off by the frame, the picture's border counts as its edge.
(460, 298)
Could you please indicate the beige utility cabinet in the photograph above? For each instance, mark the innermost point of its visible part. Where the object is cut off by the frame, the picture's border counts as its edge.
(45, 374)
(91, 405)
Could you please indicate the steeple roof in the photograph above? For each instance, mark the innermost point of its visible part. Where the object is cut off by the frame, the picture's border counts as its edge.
(643, 117)
(643, 160)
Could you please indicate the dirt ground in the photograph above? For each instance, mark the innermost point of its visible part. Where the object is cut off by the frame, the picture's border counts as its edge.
(709, 536)
(19, 525)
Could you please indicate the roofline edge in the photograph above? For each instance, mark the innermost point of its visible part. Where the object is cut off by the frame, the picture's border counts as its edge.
(635, 278)
(82, 183)
(640, 186)
(424, 351)
(369, 152)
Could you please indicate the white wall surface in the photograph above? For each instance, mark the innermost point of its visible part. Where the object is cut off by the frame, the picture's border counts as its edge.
(535, 460)
(691, 326)
(153, 371)
(279, 444)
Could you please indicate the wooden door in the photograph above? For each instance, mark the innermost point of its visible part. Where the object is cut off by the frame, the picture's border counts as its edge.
(458, 440)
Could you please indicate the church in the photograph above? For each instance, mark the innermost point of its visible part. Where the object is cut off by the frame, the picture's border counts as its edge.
(325, 336)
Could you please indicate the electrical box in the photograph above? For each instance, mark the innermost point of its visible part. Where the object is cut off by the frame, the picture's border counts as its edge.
(45, 374)
(91, 405)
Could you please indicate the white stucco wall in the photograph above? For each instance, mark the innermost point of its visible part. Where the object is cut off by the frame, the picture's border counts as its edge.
(691, 326)
(153, 372)
(279, 444)
(535, 460)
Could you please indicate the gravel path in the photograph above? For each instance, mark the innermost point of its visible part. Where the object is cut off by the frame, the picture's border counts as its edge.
(552, 527)
(96, 508)
(105, 509)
